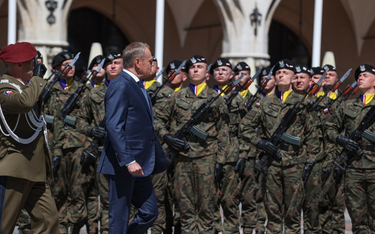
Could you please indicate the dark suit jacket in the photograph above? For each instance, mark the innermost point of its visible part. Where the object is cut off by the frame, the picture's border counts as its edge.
(130, 132)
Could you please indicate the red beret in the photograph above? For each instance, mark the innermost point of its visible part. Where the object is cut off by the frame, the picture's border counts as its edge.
(18, 53)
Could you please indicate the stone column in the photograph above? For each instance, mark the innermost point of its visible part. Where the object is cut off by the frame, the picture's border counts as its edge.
(246, 24)
(49, 35)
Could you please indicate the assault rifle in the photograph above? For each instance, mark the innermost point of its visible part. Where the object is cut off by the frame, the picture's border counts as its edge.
(347, 92)
(253, 98)
(335, 86)
(167, 80)
(190, 126)
(280, 132)
(73, 98)
(359, 132)
(89, 154)
(247, 84)
(351, 92)
(46, 93)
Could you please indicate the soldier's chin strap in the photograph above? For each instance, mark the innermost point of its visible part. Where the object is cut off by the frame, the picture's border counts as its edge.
(37, 122)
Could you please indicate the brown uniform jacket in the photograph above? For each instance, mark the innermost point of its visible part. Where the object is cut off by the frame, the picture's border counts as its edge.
(27, 161)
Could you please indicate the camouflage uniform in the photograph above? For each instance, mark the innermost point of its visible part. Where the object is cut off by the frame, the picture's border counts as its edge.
(332, 204)
(230, 192)
(313, 186)
(283, 184)
(70, 188)
(160, 181)
(24, 222)
(90, 115)
(253, 212)
(359, 176)
(194, 171)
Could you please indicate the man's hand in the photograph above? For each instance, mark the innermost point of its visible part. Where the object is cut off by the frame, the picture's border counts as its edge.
(240, 167)
(349, 145)
(175, 143)
(56, 162)
(269, 148)
(219, 175)
(87, 159)
(96, 132)
(39, 70)
(338, 174)
(135, 169)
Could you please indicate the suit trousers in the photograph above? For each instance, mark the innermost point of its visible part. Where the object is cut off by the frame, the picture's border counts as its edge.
(35, 197)
(125, 191)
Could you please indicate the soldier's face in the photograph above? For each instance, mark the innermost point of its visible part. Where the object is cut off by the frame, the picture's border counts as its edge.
(180, 77)
(315, 79)
(114, 68)
(222, 75)
(154, 68)
(270, 84)
(101, 72)
(244, 78)
(301, 81)
(284, 77)
(366, 81)
(198, 73)
(330, 78)
(70, 74)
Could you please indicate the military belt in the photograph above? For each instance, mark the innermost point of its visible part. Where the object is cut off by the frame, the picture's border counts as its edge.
(368, 147)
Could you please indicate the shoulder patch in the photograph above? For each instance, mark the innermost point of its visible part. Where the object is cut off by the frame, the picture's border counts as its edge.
(8, 92)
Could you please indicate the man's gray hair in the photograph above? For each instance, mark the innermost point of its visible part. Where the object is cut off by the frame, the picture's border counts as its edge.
(132, 51)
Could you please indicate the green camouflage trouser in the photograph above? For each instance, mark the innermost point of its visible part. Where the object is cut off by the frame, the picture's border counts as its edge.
(332, 207)
(196, 193)
(92, 202)
(70, 192)
(171, 207)
(261, 210)
(102, 184)
(283, 198)
(159, 182)
(360, 199)
(248, 189)
(24, 222)
(229, 201)
(313, 197)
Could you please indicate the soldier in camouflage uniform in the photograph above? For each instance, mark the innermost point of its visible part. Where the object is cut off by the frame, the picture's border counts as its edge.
(71, 184)
(313, 186)
(359, 175)
(195, 158)
(283, 183)
(332, 207)
(171, 205)
(89, 117)
(253, 212)
(229, 198)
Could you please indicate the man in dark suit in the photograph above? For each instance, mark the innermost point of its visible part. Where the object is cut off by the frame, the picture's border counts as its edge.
(131, 150)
